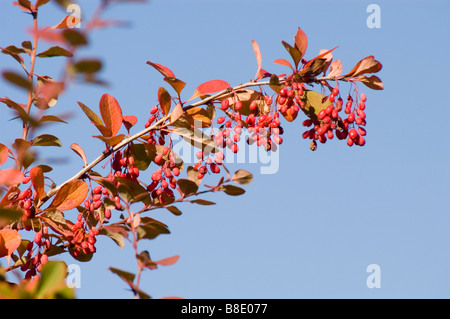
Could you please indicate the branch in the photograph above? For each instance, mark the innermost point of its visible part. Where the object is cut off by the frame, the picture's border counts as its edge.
(160, 123)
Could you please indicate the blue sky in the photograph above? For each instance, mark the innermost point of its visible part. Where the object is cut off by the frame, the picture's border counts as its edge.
(311, 229)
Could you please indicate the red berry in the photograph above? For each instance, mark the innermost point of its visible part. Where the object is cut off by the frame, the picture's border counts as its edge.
(158, 158)
(349, 142)
(224, 104)
(335, 91)
(238, 105)
(362, 131)
(220, 120)
(154, 110)
(37, 238)
(234, 148)
(253, 105)
(353, 134)
(363, 97)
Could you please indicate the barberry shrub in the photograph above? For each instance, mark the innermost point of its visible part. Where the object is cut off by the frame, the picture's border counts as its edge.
(143, 172)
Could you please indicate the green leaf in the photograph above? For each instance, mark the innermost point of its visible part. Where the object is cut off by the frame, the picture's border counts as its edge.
(55, 51)
(232, 190)
(51, 118)
(115, 233)
(46, 140)
(74, 37)
(141, 158)
(242, 177)
(55, 215)
(41, 3)
(17, 79)
(202, 202)
(52, 279)
(88, 66)
(134, 191)
(274, 83)
(151, 231)
(125, 275)
(9, 216)
(174, 210)
(196, 138)
(91, 114)
(295, 54)
(187, 186)
(314, 103)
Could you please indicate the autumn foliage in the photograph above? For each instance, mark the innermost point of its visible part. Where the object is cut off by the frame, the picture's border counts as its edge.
(144, 172)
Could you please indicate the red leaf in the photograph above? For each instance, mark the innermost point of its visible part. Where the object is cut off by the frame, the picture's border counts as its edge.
(129, 121)
(111, 114)
(167, 261)
(47, 35)
(11, 176)
(335, 69)
(283, 62)
(301, 41)
(3, 154)
(70, 195)
(77, 149)
(10, 240)
(257, 51)
(210, 87)
(162, 69)
(37, 179)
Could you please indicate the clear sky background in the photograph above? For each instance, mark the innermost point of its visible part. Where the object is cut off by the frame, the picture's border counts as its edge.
(311, 229)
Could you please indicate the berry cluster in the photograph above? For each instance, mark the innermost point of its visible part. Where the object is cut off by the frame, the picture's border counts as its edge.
(329, 123)
(96, 201)
(26, 198)
(164, 178)
(289, 99)
(36, 256)
(123, 166)
(84, 238)
(205, 160)
(264, 125)
(155, 137)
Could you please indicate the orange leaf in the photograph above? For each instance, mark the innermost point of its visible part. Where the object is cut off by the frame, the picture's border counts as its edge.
(176, 113)
(165, 100)
(10, 240)
(77, 149)
(283, 62)
(301, 41)
(111, 114)
(162, 69)
(167, 261)
(37, 179)
(258, 55)
(69, 21)
(70, 195)
(10, 176)
(3, 154)
(210, 87)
